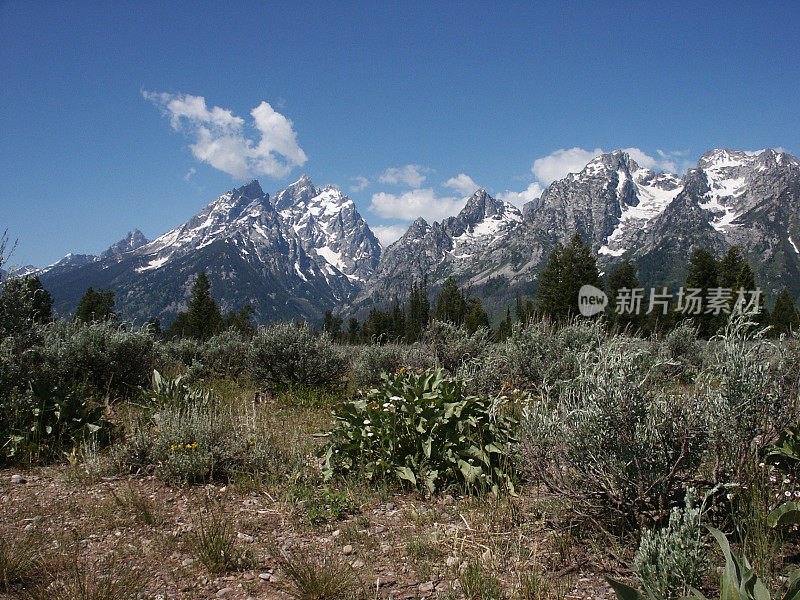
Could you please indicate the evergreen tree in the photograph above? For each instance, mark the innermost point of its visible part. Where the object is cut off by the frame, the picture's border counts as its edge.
(524, 312)
(398, 322)
(418, 309)
(154, 325)
(568, 269)
(353, 329)
(451, 306)
(241, 321)
(632, 317)
(179, 327)
(377, 327)
(703, 274)
(475, 317)
(504, 328)
(785, 317)
(23, 302)
(332, 325)
(203, 317)
(96, 306)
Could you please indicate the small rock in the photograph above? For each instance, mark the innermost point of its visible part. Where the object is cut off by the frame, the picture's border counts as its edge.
(249, 576)
(426, 587)
(357, 564)
(263, 576)
(187, 562)
(347, 550)
(451, 561)
(336, 533)
(390, 506)
(225, 592)
(380, 529)
(18, 479)
(244, 537)
(274, 578)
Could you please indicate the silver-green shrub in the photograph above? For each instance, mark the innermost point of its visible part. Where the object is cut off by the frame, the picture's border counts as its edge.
(287, 353)
(749, 395)
(610, 438)
(178, 354)
(369, 362)
(110, 357)
(672, 560)
(200, 442)
(542, 353)
(453, 345)
(225, 354)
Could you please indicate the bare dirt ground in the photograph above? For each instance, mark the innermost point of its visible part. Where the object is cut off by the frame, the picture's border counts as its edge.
(398, 545)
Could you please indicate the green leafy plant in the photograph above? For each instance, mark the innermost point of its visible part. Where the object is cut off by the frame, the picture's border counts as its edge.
(422, 430)
(176, 391)
(52, 420)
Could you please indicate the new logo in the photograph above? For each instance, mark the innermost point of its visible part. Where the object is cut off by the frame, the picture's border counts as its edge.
(591, 300)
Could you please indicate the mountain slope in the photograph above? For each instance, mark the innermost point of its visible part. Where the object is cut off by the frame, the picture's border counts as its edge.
(330, 229)
(249, 253)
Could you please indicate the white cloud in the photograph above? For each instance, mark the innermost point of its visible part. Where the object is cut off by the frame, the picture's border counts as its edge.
(221, 141)
(412, 175)
(189, 173)
(387, 234)
(462, 184)
(361, 183)
(532, 192)
(562, 162)
(415, 203)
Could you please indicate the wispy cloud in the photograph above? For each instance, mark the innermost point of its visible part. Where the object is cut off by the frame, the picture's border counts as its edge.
(189, 173)
(411, 175)
(360, 184)
(387, 234)
(533, 191)
(422, 202)
(463, 184)
(221, 141)
(560, 163)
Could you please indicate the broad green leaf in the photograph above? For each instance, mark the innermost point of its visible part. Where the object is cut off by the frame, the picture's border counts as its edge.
(787, 513)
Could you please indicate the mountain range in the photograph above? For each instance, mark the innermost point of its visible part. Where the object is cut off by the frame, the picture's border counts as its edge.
(308, 249)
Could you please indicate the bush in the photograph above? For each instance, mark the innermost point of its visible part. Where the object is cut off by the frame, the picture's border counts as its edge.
(371, 361)
(542, 353)
(611, 439)
(453, 345)
(178, 354)
(749, 401)
(422, 430)
(200, 442)
(225, 354)
(671, 561)
(108, 357)
(290, 354)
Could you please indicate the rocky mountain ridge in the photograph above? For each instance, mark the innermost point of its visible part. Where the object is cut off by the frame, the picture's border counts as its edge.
(308, 249)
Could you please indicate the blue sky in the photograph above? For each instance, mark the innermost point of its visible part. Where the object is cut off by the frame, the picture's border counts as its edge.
(389, 101)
